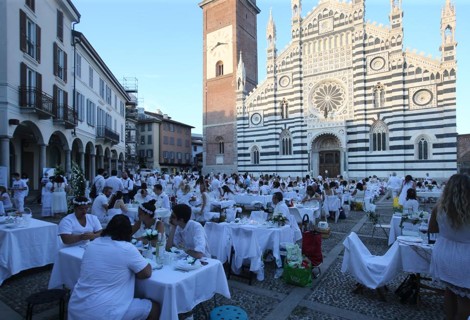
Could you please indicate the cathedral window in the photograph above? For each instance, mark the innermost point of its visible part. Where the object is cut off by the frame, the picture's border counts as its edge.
(285, 143)
(422, 145)
(284, 109)
(220, 144)
(255, 155)
(379, 136)
(219, 69)
(379, 95)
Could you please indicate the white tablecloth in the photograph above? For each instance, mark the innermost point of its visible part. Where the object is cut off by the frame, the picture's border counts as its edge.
(176, 291)
(27, 247)
(268, 238)
(396, 231)
(429, 194)
(415, 258)
(248, 199)
(312, 212)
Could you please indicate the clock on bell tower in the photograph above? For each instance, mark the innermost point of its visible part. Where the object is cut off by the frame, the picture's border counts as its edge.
(229, 28)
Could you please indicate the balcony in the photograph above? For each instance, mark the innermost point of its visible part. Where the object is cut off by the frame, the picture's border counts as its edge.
(107, 135)
(65, 115)
(33, 100)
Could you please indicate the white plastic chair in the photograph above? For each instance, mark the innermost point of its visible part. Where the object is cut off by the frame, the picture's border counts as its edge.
(218, 241)
(332, 204)
(369, 270)
(259, 216)
(245, 248)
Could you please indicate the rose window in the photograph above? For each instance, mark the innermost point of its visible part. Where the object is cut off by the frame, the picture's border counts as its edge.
(328, 98)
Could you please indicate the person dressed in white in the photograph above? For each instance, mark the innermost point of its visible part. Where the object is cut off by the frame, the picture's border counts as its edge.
(19, 188)
(105, 289)
(116, 205)
(5, 198)
(59, 197)
(186, 195)
(393, 185)
(409, 183)
(187, 234)
(79, 227)
(101, 204)
(147, 220)
(114, 182)
(46, 200)
(280, 207)
(411, 204)
(142, 194)
(163, 201)
(99, 181)
(128, 186)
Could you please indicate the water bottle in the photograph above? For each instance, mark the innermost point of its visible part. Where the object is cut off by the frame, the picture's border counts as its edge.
(159, 251)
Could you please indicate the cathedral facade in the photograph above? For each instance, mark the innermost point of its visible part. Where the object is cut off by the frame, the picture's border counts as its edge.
(344, 97)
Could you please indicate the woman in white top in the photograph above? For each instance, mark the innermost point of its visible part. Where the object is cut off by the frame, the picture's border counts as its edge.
(116, 205)
(185, 196)
(59, 197)
(411, 204)
(147, 220)
(5, 197)
(46, 200)
(79, 227)
(409, 183)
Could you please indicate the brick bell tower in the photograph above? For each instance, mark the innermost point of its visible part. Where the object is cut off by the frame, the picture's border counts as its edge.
(229, 28)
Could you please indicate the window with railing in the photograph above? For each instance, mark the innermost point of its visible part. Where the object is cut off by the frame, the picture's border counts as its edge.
(30, 37)
(60, 63)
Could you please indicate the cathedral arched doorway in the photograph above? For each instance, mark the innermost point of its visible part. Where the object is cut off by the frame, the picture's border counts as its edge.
(326, 156)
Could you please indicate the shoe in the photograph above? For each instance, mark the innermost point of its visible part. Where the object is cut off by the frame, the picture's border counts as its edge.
(278, 273)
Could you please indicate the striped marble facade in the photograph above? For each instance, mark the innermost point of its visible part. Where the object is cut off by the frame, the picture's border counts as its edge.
(344, 97)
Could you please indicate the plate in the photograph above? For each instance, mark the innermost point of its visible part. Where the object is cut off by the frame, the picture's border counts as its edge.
(409, 239)
(11, 225)
(185, 266)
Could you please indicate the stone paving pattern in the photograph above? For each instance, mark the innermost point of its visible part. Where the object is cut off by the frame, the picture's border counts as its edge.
(330, 296)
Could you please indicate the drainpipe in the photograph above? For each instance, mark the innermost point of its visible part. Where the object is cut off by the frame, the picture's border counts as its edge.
(74, 98)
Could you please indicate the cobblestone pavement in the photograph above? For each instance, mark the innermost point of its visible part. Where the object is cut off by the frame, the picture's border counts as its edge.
(330, 296)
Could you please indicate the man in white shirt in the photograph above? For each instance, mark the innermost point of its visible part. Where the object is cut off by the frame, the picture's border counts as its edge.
(163, 201)
(99, 181)
(128, 185)
(20, 189)
(186, 233)
(176, 181)
(393, 185)
(280, 206)
(100, 205)
(114, 182)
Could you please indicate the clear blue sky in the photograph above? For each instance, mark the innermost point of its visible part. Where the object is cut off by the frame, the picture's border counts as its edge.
(160, 43)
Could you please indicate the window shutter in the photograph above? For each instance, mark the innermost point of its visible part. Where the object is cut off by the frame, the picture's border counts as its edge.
(22, 31)
(60, 25)
(38, 44)
(55, 109)
(65, 67)
(39, 102)
(56, 65)
(23, 88)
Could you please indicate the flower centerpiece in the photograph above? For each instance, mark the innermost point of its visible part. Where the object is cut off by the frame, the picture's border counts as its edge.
(150, 234)
(414, 218)
(430, 186)
(278, 219)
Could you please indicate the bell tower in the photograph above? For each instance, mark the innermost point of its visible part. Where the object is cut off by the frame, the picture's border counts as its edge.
(229, 28)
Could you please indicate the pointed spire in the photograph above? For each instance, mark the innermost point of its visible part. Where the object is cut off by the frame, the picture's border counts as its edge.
(241, 75)
(271, 31)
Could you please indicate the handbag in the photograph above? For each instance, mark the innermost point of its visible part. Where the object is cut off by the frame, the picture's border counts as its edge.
(297, 276)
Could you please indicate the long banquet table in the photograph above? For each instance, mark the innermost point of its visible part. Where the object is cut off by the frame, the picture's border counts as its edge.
(176, 291)
(26, 247)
